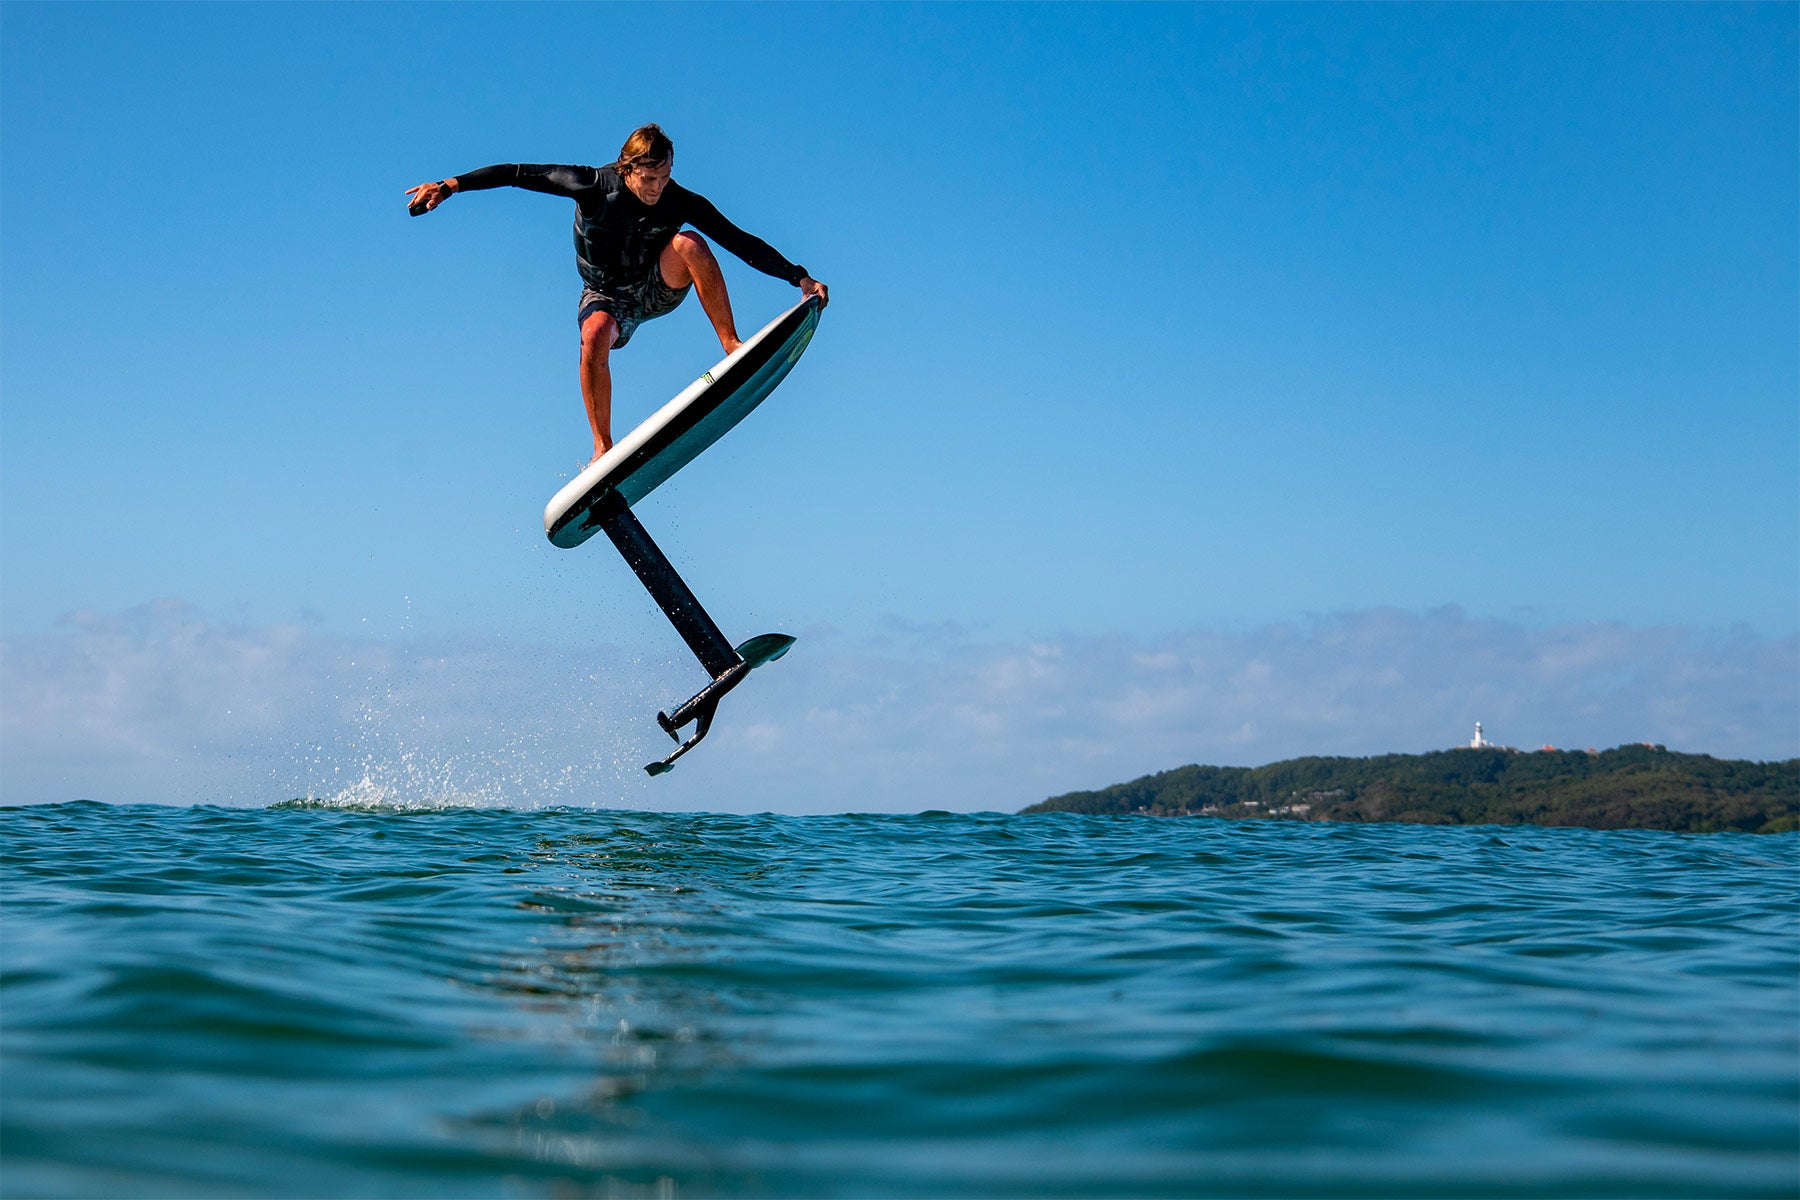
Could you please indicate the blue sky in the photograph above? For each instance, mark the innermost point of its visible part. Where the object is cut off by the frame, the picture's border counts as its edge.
(1149, 323)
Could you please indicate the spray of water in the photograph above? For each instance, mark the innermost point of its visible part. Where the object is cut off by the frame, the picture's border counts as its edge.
(421, 729)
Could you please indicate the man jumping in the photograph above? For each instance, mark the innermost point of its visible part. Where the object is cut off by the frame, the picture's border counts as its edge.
(635, 259)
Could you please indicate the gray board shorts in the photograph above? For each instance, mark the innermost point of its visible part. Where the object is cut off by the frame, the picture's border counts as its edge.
(632, 304)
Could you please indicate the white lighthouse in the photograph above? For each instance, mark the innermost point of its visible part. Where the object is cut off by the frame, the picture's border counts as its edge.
(1478, 742)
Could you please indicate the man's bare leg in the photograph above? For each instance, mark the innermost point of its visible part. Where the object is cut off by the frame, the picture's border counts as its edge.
(688, 259)
(598, 333)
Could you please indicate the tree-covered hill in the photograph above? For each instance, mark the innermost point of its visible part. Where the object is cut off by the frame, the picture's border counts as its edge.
(1631, 787)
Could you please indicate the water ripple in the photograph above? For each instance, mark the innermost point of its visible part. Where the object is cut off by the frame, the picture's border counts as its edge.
(332, 1000)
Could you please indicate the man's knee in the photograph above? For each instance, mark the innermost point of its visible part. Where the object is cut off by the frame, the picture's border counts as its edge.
(686, 253)
(598, 333)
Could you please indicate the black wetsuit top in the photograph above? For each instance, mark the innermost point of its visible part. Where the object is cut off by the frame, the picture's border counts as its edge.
(618, 236)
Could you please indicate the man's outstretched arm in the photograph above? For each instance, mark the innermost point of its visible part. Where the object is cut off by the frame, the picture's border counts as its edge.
(550, 178)
(705, 217)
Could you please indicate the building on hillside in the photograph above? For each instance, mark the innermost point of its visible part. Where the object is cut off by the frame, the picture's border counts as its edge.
(1480, 741)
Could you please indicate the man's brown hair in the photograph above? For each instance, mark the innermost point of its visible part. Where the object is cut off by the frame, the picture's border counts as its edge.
(648, 146)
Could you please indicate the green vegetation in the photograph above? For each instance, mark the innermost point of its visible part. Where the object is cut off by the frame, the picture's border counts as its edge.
(1632, 787)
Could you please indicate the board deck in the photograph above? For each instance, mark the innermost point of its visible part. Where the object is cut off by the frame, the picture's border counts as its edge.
(680, 430)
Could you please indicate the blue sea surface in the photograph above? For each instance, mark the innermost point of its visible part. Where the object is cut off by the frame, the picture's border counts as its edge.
(314, 1001)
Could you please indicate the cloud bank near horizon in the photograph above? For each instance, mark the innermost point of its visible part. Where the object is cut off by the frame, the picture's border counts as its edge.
(165, 703)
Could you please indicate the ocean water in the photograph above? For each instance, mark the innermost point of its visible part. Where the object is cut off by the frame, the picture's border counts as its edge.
(329, 1002)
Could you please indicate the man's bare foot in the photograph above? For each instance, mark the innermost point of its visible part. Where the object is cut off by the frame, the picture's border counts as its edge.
(731, 345)
(599, 453)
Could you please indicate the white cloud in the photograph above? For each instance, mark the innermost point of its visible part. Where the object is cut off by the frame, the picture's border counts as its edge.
(164, 703)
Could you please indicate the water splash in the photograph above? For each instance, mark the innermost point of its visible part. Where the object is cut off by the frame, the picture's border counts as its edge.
(419, 733)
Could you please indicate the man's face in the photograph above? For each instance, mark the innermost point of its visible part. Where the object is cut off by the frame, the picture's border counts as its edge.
(647, 183)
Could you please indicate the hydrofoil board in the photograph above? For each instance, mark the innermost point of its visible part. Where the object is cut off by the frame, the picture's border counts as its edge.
(600, 498)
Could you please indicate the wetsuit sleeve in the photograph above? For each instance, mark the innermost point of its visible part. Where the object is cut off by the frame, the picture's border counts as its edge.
(708, 220)
(550, 178)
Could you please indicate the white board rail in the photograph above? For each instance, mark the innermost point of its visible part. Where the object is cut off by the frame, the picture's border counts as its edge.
(680, 430)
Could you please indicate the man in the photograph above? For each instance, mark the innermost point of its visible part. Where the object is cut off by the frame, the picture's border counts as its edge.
(635, 259)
